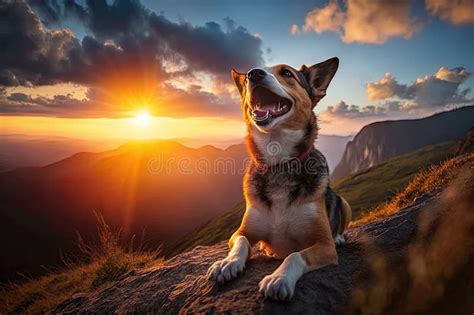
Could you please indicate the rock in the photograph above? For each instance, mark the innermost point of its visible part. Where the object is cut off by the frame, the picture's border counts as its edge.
(377, 272)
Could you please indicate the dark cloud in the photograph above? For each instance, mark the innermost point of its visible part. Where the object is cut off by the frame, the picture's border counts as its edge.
(210, 47)
(30, 53)
(60, 105)
(193, 102)
(127, 42)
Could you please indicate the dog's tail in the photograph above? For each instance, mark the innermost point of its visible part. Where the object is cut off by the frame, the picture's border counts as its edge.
(346, 216)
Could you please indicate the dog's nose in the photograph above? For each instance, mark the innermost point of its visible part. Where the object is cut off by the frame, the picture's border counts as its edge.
(256, 74)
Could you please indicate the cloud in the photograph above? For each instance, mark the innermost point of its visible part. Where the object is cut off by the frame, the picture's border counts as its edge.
(394, 100)
(194, 102)
(210, 47)
(342, 109)
(455, 75)
(456, 12)
(342, 118)
(294, 29)
(129, 50)
(439, 90)
(385, 88)
(372, 22)
(328, 18)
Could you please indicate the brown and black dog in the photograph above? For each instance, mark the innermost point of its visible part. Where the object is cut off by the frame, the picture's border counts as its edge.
(290, 208)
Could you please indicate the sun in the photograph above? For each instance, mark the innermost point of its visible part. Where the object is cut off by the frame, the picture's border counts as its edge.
(143, 119)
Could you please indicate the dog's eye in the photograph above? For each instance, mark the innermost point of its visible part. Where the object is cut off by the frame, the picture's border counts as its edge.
(287, 73)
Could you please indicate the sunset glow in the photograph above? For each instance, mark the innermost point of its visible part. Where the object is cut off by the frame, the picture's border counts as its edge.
(192, 131)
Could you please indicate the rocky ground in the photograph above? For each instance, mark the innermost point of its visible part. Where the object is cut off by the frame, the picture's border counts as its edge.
(418, 260)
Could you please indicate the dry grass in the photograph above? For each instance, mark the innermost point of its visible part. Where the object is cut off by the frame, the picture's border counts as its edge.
(436, 176)
(94, 267)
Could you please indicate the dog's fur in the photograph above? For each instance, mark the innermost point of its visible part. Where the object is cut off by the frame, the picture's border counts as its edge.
(291, 210)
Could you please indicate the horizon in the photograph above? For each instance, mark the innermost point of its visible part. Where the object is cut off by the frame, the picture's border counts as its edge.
(194, 143)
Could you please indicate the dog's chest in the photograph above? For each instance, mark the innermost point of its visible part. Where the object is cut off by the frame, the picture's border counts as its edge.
(287, 229)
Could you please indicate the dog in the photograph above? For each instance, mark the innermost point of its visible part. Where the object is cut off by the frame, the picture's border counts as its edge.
(290, 208)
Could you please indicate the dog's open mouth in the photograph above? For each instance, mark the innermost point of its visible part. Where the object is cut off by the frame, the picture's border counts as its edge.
(267, 105)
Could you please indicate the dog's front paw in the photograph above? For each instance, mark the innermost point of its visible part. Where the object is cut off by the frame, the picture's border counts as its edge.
(226, 269)
(277, 286)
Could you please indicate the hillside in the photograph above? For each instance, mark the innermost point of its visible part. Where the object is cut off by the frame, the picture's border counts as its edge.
(383, 269)
(379, 141)
(362, 190)
(143, 187)
(466, 145)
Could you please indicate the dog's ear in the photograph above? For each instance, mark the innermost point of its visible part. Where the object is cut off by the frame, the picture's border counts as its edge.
(239, 80)
(319, 76)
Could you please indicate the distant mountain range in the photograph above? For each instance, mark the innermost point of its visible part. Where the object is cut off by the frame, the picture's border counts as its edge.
(18, 150)
(380, 141)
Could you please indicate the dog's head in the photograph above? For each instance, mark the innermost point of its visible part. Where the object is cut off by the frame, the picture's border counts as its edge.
(281, 96)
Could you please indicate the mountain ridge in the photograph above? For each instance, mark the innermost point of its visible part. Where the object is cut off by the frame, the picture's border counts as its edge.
(379, 141)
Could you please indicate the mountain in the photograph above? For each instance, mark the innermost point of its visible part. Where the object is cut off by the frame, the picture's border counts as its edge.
(363, 191)
(17, 150)
(332, 147)
(160, 187)
(380, 141)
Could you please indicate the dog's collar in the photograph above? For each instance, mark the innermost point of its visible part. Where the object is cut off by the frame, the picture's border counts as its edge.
(304, 82)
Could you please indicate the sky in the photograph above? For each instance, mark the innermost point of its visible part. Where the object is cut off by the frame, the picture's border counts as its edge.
(161, 69)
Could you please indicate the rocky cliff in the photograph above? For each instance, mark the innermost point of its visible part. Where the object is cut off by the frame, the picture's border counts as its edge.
(380, 141)
(419, 259)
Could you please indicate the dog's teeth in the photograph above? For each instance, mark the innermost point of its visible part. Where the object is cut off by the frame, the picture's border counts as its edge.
(267, 114)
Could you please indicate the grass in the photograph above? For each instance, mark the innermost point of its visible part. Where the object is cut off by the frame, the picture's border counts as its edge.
(364, 191)
(215, 230)
(378, 184)
(437, 176)
(95, 267)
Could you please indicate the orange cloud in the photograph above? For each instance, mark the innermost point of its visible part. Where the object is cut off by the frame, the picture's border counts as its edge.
(294, 29)
(456, 12)
(385, 88)
(329, 18)
(456, 75)
(372, 22)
